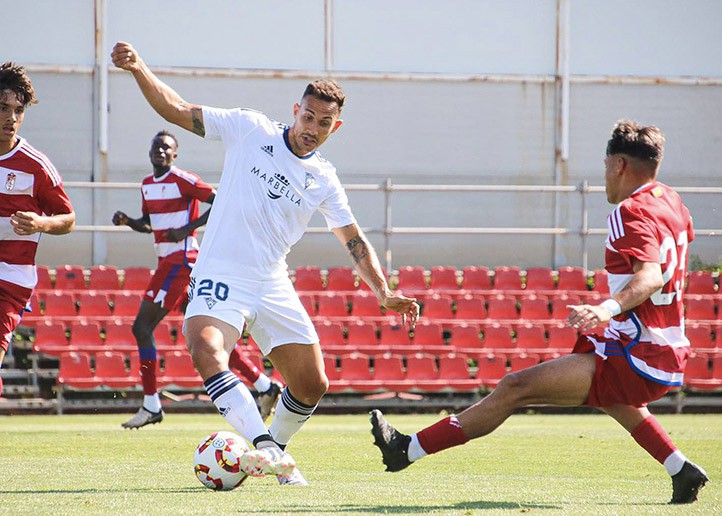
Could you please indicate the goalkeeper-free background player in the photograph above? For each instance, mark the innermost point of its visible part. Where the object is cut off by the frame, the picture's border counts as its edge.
(273, 181)
(636, 360)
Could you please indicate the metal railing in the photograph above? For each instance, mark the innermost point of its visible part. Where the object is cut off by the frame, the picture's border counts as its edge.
(388, 230)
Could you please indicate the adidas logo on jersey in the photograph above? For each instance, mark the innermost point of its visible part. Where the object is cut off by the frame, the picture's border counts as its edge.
(268, 149)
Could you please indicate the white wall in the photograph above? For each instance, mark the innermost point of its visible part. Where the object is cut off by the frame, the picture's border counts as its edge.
(463, 92)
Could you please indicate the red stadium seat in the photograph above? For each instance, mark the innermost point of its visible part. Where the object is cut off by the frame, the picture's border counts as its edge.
(560, 303)
(422, 373)
(572, 278)
(429, 337)
(717, 367)
(119, 337)
(530, 336)
(332, 304)
(700, 282)
(534, 308)
(498, 336)
(476, 278)
(355, 370)
(389, 372)
(507, 278)
(104, 277)
(394, 336)
(362, 333)
(502, 307)
(454, 372)
(330, 334)
(74, 371)
(562, 338)
(444, 278)
(539, 278)
(60, 304)
(522, 361)
(341, 278)
(126, 303)
(491, 369)
(308, 279)
(465, 336)
(700, 308)
(45, 282)
(51, 338)
(332, 371)
(700, 337)
(309, 303)
(136, 278)
(437, 307)
(85, 336)
(365, 305)
(70, 277)
(180, 371)
(600, 282)
(110, 371)
(412, 279)
(93, 304)
(470, 308)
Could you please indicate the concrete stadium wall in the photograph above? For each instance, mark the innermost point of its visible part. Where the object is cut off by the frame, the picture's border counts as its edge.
(428, 129)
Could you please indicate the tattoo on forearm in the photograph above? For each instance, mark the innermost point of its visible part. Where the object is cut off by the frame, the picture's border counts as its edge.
(358, 249)
(198, 127)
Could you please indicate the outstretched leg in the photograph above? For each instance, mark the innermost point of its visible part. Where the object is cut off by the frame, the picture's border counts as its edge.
(687, 478)
(564, 381)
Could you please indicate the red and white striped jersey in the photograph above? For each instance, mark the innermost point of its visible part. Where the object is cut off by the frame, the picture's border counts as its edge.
(172, 201)
(28, 182)
(652, 225)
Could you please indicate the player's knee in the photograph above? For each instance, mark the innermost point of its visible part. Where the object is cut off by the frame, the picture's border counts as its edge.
(514, 388)
(142, 333)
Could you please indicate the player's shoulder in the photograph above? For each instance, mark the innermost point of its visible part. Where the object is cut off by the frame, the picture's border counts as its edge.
(184, 175)
(36, 162)
(324, 165)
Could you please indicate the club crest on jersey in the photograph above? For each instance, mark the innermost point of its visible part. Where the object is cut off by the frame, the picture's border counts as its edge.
(278, 186)
(268, 149)
(211, 302)
(10, 182)
(309, 181)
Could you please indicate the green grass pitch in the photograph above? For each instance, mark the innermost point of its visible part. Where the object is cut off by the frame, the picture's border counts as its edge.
(542, 464)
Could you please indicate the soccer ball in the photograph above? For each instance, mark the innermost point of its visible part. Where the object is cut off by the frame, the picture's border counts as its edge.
(217, 461)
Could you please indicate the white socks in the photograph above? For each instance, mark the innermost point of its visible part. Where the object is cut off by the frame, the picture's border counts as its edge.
(236, 404)
(673, 464)
(262, 384)
(290, 416)
(151, 402)
(415, 451)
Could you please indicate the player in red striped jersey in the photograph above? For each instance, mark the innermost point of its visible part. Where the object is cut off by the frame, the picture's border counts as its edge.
(171, 200)
(636, 360)
(32, 202)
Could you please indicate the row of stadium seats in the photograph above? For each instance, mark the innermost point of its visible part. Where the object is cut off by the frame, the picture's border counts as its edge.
(549, 339)
(353, 372)
(406, 278)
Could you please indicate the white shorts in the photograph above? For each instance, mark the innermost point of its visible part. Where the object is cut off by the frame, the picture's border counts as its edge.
(271, 310)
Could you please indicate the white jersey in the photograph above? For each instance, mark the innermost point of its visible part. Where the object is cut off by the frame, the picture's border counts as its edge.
(265, 199)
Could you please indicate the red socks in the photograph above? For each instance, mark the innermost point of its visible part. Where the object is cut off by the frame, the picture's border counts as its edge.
(652, 437)
(442, 435)
(148, 369)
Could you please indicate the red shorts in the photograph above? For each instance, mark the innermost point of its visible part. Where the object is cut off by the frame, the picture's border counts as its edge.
(614, 381)
(13, 300)
(169, 285)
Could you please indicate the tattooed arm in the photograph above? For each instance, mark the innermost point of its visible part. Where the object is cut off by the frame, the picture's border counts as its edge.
(368, 267)
(159, 95)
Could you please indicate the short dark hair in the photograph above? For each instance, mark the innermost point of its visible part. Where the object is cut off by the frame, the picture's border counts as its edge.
(14, 78)
(164, 132)
(326, 89)
(642, 142)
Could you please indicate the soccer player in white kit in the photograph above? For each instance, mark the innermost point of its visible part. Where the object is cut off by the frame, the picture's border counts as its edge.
(273, 181)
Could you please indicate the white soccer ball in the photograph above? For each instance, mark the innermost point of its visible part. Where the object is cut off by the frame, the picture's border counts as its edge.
(217, 461)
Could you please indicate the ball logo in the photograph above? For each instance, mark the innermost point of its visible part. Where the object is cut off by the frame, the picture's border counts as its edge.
(219, 443)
